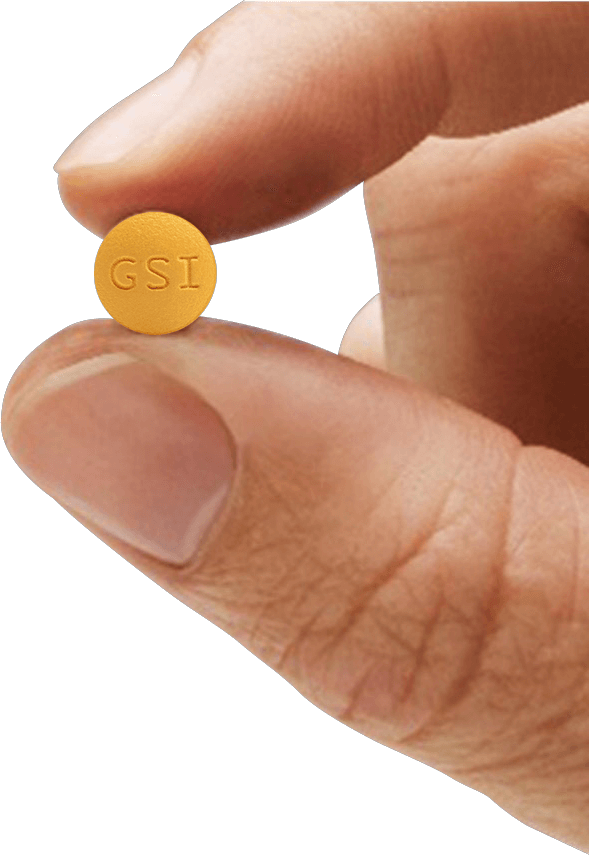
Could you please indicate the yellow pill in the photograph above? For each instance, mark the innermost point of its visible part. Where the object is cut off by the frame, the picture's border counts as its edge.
(155, 273)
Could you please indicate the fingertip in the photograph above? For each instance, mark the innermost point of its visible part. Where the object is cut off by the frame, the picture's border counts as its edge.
(363, 339)
(78, 191)
(76, 343)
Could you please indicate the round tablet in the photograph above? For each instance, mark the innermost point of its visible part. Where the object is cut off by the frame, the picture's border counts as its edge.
(155, 273)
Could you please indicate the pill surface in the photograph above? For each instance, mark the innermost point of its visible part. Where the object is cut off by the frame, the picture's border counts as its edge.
(155, 272)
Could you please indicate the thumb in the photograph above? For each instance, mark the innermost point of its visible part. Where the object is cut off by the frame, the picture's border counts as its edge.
(382, 548)
(277, 108)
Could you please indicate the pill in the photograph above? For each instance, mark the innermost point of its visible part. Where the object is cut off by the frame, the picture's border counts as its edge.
(155, 272)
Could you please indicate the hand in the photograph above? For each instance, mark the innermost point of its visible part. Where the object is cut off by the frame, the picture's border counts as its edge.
(407, 546)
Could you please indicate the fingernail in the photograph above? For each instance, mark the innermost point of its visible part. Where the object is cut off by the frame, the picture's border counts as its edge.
(136, 119)
(135, 451)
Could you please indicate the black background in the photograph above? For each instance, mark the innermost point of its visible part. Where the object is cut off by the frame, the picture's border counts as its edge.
(124, 705)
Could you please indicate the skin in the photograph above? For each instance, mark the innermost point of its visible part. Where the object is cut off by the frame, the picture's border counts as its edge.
(410, 549)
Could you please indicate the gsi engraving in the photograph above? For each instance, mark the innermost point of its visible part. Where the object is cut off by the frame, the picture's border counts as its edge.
(126, 278)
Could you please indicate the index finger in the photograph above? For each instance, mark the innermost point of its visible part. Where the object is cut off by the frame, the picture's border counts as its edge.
(278, 108)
